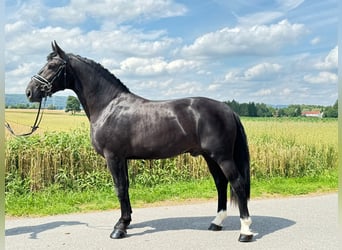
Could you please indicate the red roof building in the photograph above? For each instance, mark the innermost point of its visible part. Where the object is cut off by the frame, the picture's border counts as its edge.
(312, 113)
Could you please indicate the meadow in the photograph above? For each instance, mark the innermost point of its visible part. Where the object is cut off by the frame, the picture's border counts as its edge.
(60, 157)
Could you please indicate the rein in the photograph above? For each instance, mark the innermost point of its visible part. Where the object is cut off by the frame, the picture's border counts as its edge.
(35, 125)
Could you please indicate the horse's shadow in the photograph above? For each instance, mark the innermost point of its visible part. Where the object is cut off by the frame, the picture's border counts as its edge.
(262, 225)
(33, 231)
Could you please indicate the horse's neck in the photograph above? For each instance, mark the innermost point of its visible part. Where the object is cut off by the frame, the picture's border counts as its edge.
(94, 92)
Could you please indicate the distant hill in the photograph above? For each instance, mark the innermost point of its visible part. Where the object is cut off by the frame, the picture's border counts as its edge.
(15, 100)
(278, 106)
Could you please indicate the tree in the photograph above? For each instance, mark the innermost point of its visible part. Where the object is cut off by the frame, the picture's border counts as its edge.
(243, 110)
(234, 105)
(293, 111)
(73, 105)
(331, 111)
(252, 110)
(263, 110)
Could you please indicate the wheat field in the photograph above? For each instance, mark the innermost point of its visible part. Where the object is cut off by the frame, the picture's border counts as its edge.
(61, 151)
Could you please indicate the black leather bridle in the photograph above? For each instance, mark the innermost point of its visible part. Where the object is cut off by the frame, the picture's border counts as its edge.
(45, 86)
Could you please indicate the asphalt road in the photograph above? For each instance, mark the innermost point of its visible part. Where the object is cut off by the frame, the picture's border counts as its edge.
(288, 223)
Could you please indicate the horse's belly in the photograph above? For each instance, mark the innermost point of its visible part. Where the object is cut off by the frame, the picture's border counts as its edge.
(154, 150)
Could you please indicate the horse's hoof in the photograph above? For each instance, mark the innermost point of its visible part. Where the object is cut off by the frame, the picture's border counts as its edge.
(246, 237)
(118, 234)
(214, 227)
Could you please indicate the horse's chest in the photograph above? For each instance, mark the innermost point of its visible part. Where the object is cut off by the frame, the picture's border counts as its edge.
(96, 142)
(106, 138)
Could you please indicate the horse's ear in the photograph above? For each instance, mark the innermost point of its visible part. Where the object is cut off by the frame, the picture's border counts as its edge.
(59, 51)
(53, 47)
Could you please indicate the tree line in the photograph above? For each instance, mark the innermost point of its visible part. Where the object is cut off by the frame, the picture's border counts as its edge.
(252, 109)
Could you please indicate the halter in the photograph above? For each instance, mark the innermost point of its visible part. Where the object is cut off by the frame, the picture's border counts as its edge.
(45, 84)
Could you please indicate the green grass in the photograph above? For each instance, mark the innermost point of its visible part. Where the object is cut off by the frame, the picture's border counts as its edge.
(55, 201)
(295, 186)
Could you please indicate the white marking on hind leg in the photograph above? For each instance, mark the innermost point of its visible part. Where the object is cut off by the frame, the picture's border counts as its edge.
(245, 223)
(220, 218)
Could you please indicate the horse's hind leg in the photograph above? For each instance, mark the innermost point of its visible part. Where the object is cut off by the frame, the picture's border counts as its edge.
(237, 183)
(221, 183)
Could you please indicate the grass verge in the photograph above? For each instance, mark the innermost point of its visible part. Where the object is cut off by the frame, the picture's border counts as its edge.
(53, 200)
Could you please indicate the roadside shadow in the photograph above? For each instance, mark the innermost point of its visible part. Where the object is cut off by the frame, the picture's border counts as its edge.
(35, 230)
(262, 225)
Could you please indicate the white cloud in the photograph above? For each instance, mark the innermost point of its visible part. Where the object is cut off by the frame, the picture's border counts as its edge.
(32, 26)
(155, 66)
(183, 89)
(30, 11)
(260, 72)
(22, 69)
(14, 28)
(289, 4)
(35, 43)
(269, 16)
(152, 84)
(259, 18)
(232, 76)
(20, 76)
(143, 66)
(255, 40)
(130, 42)
(315, 41)
(322, 78)
(110, 63)
(214, 87)
(286, 91)
(263, 92)
(116, 11)
(330, 62)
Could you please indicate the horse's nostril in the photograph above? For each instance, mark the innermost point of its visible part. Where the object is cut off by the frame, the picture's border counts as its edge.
(28, 93)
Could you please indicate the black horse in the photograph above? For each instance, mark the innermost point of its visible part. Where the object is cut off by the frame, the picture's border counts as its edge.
(126, 126)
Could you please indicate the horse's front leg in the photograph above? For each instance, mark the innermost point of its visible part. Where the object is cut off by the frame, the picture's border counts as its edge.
(118, 169)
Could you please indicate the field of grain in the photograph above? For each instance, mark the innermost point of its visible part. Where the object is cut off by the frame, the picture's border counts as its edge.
(60, 152)
(21, 120)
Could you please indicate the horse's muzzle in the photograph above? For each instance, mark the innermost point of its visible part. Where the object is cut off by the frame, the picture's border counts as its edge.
(32, 93)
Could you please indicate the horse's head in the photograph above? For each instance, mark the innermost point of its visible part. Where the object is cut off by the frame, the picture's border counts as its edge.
(51, 78)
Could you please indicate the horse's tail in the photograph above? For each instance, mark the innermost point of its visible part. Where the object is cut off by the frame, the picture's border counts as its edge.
(242, 160)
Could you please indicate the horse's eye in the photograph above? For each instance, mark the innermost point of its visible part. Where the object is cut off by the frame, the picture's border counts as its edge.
(51, 65)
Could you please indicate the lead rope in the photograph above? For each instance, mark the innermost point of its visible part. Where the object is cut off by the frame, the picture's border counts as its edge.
(35, 125)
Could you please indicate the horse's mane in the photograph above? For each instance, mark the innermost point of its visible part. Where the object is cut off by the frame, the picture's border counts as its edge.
(105, 73)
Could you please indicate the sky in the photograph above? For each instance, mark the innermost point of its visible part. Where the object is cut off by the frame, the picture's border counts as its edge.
(273, 52)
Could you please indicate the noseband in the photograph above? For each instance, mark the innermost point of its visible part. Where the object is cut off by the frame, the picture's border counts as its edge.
(45, 85)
